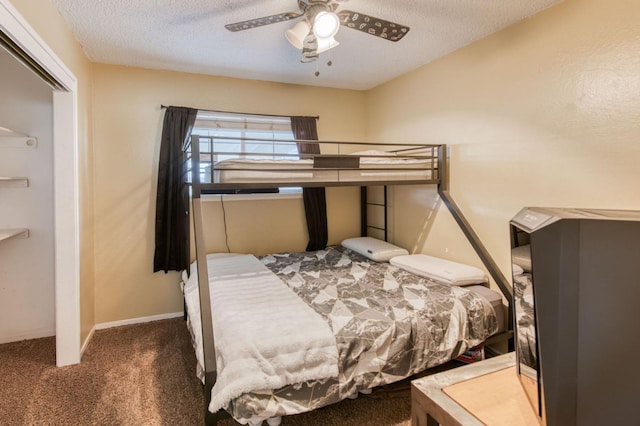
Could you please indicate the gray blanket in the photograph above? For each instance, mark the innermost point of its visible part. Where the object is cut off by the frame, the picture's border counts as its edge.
(388, 323)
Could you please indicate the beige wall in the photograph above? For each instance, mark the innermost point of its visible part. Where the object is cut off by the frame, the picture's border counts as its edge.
(280, 226)
(45, 19)
(127, 128)
(545, 113)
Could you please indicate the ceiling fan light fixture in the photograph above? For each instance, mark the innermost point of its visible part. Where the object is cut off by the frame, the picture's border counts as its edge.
(297, 34)
(325, 44)
(326, 24)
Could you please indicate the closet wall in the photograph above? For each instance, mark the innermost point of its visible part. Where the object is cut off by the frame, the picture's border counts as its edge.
(26, 264)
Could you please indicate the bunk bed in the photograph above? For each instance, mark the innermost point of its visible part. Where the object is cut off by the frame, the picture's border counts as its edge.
(329, 372)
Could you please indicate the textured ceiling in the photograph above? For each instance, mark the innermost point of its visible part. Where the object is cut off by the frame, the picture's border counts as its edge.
(189, 35)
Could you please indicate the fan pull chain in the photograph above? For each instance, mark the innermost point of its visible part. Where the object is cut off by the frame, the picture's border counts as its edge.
(330, 62)
(317, 73)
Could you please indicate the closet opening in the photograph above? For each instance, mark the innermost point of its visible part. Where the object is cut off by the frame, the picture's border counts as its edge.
(39, 266)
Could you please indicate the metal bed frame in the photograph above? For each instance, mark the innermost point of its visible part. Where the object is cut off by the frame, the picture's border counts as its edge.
(436, 164)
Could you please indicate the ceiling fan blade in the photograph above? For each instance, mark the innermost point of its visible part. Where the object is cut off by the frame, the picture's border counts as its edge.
(309, 48)
(374, 26)
(259, 22)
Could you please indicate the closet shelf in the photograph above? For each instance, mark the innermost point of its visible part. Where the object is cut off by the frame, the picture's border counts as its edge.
(6, 234)
(12, 139)
(13, 182)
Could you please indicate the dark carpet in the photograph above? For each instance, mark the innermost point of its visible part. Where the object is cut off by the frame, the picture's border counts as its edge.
(144, 374)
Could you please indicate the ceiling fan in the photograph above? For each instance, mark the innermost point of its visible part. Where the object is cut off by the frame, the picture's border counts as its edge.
(315, 34)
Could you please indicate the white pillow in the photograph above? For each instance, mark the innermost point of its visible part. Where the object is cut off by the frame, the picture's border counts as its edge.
(374, 249)
(442, 270)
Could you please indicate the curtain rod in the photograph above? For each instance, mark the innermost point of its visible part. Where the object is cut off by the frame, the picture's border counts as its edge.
(317, 117)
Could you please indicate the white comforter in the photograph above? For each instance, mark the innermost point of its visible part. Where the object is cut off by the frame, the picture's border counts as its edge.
(266, 336)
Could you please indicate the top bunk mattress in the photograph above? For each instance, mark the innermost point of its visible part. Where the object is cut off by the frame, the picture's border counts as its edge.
(369, 169)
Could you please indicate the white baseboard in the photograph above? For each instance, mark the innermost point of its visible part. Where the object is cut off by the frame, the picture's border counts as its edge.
(141, 320)
(38, 334)
(28, 335)
(86, 341)
(131, 321)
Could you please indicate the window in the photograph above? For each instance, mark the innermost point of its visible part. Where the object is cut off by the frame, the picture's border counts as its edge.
(257, 136)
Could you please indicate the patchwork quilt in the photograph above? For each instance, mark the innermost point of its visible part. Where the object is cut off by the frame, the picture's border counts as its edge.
(388, 324)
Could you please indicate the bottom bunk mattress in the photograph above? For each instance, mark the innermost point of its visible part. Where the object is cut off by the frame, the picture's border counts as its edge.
(388, 325)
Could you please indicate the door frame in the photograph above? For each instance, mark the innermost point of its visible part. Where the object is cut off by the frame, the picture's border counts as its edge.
(65, 166)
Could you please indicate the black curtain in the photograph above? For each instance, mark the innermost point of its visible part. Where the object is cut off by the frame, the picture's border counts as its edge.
(315, 201)
(172, 202)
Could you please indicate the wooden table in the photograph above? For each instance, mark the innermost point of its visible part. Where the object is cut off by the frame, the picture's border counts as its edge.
(483, 393)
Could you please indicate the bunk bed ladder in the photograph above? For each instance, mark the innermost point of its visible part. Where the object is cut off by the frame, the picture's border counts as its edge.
(364, 214)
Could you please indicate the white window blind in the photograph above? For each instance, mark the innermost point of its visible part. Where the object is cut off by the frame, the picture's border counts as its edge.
(237, 131)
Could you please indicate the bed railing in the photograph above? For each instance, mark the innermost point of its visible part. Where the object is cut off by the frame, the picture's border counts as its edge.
(338, 166)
